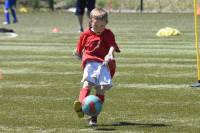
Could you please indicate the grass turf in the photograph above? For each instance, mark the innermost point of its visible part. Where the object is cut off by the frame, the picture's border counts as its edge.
(151, 90)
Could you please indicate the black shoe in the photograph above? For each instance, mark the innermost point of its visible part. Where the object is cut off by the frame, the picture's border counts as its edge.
(80, 30)
(93, 121)
(15, 21)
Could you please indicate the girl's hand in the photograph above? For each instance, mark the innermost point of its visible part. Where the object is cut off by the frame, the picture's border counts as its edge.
(108, 58)
(78, 56)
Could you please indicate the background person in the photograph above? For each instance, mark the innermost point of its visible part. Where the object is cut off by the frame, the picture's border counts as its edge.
(10, 5)
(80, 10)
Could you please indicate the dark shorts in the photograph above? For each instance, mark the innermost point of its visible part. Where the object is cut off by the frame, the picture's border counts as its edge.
(10, 3)
(82, 4)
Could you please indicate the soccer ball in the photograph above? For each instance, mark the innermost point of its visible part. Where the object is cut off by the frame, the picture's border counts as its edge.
(92, 105)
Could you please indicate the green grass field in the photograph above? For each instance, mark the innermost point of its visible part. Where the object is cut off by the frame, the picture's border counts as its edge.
(151, 92)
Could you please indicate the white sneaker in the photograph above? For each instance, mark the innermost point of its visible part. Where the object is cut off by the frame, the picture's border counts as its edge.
(80, 30)
(5, 23)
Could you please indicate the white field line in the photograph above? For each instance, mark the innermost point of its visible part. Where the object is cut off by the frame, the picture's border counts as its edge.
(118, 58)
(158, 46)
(156, 43)
(124, 49)
(125, 46)
(32, 44)
(128, 73)
(36, 98)
(119, 74)
(157, 65)
(118, 85)
(143, 62)
(34, 48)
(148, 59)
(152, 86)
(138, 42)
(160, 51)
(34, 129)
(30, 71)
(34, 57)
(134, 47)
(8, 35)
(167, 75)
(22, 86)
(141, 65)
(38, 85)
(145, 43)
(125, 38)
(28, 85)
(28, 62)
(146, 33)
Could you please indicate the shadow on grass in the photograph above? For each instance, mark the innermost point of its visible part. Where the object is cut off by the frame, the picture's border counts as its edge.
(110, 127)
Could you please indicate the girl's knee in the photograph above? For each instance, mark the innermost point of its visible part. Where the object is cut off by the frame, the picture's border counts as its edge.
(106, 87)
(87, 84)
(102, 89)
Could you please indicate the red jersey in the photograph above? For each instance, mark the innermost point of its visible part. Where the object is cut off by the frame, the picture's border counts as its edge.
(93, 47)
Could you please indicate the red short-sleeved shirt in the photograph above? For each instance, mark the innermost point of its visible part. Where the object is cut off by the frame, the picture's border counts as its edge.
(95, 47)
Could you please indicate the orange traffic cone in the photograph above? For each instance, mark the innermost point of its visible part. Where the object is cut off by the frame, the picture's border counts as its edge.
(198, 10)
(55, 30)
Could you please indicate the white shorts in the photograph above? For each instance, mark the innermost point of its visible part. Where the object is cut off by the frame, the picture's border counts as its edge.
(97, 74)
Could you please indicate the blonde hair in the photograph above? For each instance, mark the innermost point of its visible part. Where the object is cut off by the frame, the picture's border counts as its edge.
(99, 13)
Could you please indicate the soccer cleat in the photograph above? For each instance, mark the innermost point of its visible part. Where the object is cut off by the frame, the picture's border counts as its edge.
(93, 121)
(78, 109)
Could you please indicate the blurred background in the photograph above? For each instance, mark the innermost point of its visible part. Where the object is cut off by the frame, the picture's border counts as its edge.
(113, 5)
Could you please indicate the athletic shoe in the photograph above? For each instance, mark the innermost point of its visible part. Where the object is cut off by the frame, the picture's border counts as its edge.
(80, 30)
(93, 121)
(5, 23)
(78, 109)
(15, 21)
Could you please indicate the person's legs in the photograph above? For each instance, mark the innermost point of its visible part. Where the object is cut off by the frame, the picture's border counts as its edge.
(84, 92)
(7, 16)
(12, 8)
(90, 7)
(80, 20)
(6, 12)
(100, 93)
(104, 84)
(14, 15)
(80, 9)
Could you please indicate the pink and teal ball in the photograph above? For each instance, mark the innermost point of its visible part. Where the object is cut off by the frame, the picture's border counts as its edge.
(92, 105)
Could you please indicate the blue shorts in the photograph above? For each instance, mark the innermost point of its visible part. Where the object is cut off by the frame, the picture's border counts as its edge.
(10, 3)
(82, 4)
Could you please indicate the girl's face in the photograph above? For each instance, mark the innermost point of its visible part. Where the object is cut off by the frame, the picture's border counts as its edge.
(98, 26)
